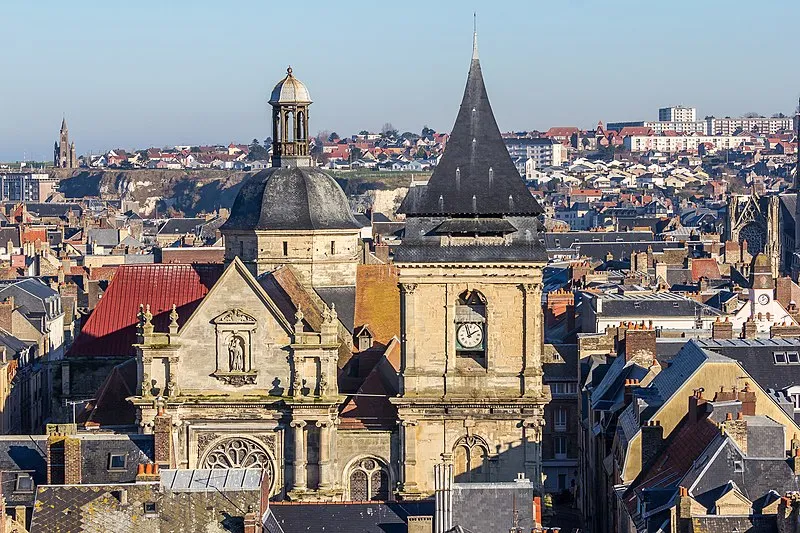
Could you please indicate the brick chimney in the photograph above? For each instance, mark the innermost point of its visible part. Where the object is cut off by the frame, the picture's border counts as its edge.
(6, 314)
(251, 521)
(640, 344)
(722, 329)
(683, 511)
(787, 329)
(652, 439)
(698, 406)
(63, 460)
(749, 329)
(560, 303)
(148, 472)
(737, 430)
(580, 269)
(162, 439)
(382, 252)
(630, 386)
(748, 398)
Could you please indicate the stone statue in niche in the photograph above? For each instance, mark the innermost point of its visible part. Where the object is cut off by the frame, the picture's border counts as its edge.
(236, 353)
(234, 331)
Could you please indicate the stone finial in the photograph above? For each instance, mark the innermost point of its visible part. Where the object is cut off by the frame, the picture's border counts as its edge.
(173, 318)
(140, 320)
(298, 319)
(333, 314)
(147, 326)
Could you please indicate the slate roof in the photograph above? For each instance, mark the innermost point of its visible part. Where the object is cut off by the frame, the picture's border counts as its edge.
(85, 508)
(489, 507)
(650, 305)
(181, 226)
(103, 237)
(111, 328)
(54, 209)
(344, 298)
(366, 517)
(33, 297)
(756, 356)
(9, 233)
(111, 407)
(475, 175)
(283, 198)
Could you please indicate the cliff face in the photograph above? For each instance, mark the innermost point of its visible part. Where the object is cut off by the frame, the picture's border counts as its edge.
(188, 191)
(202, 191)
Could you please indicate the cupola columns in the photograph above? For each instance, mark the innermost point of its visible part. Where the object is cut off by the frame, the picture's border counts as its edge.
(290, 101)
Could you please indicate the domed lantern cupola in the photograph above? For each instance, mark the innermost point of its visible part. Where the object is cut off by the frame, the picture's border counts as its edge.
(290, 101)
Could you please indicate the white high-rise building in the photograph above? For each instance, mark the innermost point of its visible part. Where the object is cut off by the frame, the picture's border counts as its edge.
(677, 113)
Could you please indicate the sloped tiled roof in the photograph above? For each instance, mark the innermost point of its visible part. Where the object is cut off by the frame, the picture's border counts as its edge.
(111, 328)
(378, 301)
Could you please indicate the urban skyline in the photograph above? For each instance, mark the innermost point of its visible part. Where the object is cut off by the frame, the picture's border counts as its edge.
(133, 100)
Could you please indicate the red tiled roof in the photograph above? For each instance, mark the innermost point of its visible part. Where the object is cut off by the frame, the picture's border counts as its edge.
(378, 301)
(112, 407)
(33, 235)
(111, 328)
(705, 268)
(635, 130)
(683, 449)
(373, 409)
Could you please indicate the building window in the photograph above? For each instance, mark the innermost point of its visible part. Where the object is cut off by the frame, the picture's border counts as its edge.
(285, 248)
(563, 388)
(116, 461)
(24, 483)
(368, 481)
(333, 247)
(780, 358)
(470, 458)
(560, 447)
(560, 416)
(150, 508)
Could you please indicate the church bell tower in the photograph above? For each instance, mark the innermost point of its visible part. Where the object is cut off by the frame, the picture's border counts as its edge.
(471, 267)
(290, 101)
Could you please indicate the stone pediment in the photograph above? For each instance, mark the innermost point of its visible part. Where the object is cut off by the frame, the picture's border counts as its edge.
(234, 316)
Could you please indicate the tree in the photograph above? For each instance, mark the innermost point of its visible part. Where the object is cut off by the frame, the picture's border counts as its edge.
(355, 153)
(426, 131)
(257, 152)
(778, 115)
(363, 132)
(387, 130)
(333, 137)
(421, 153)
(752, 114)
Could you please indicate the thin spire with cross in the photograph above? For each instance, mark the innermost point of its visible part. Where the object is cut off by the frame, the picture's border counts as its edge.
(474, 35)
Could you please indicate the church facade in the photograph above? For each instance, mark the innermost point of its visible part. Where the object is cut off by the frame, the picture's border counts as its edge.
(345, 381)
(63, 150)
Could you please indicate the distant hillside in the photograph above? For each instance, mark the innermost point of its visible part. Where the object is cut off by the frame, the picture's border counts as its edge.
(198, 191)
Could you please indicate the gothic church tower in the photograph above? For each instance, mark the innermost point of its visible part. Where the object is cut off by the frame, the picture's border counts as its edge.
(63, 151)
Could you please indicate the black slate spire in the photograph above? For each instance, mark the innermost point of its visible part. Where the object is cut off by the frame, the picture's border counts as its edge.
(475, 176)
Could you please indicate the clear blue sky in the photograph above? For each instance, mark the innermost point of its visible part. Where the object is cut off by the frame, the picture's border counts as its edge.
(136, 74)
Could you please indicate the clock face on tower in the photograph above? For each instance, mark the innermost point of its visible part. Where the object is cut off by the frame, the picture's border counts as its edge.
(763, 299)
(469, 335)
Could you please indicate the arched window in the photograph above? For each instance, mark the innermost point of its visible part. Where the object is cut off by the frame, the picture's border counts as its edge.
(470, 457)
(368, 480)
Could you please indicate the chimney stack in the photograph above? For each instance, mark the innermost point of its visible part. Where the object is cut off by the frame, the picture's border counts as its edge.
(749, 329)
(652, 438)
(722, 329)
(796, 462)
(640, 344)
(162, 437)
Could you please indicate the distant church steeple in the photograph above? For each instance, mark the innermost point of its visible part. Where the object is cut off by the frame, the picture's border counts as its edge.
(64, 151)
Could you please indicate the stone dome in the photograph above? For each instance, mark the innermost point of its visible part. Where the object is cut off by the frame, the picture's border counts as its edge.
(290, 90)
(290, 198)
